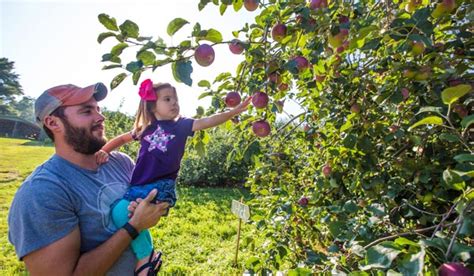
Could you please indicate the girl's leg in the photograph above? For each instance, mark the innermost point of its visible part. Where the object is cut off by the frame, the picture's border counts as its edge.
(142, 245)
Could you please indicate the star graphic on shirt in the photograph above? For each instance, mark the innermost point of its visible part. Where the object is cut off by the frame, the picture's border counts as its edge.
(158, 139)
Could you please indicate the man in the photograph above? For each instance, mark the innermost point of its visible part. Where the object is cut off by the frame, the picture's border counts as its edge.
(59, 219)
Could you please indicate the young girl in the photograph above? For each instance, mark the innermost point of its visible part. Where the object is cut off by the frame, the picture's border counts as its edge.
(162, 133)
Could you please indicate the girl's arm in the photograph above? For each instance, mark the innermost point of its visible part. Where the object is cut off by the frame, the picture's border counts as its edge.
(220, 118)
(102, 155)
(117, 142)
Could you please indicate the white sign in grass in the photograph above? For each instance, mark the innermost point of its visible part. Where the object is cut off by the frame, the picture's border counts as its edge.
(241, 210)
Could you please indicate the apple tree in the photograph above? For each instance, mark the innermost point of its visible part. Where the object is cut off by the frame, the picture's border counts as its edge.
(376, 174)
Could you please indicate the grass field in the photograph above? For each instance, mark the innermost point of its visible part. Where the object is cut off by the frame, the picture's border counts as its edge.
(199, 237)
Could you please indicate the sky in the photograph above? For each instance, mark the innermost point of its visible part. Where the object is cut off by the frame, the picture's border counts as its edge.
(55, 42)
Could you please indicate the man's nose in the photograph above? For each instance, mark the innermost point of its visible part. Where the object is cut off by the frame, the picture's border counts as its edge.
(100, 116)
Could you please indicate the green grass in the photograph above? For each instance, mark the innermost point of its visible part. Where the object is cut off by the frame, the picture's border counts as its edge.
(198, 237)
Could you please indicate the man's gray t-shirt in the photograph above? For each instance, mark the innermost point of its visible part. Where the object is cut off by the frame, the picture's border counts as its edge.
(59, 196)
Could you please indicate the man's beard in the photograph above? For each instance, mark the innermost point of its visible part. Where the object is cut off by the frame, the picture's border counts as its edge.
(82, 140)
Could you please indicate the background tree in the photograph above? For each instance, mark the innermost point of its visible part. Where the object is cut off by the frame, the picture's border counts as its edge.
(9, 87)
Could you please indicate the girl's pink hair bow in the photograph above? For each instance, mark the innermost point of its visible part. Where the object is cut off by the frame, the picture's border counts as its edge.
(146, 91)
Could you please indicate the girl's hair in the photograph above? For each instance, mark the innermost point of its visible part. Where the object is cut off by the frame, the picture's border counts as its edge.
(145, 110)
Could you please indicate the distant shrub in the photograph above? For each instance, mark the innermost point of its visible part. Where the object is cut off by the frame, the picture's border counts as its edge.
(211, 169)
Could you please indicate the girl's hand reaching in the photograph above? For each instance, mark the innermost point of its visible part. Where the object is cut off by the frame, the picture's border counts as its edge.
(101, 157)
(242, 106)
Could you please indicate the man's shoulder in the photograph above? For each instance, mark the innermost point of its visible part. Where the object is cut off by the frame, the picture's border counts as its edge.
(117, 156)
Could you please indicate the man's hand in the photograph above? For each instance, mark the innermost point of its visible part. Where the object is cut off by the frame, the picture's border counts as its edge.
(147, 214)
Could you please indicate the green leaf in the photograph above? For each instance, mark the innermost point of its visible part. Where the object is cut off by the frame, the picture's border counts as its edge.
(453, 180)
(109, 22)
(175, 25)
(222, 9)
(182, 72)
(381, 256)
(111, 58)
(118, 49)
(136, 77)
(404, 241)
(430, 109)
(467, 228)
(202, 4)
(238, 5)
(205, 94)
(431, 120)
(134, 66)
(464, 157)
(204, 83)
(210, 35)
(117, 80)
(129, 29)
(300, 271)
(452, 94)
(147, 57)
(467, 121)
(107, 67)
(336, 228)
(103, 36)
(449, 137)
(413, 264)
(200, 111)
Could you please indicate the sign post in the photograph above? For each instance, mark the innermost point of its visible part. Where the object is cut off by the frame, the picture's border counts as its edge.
(242, 211)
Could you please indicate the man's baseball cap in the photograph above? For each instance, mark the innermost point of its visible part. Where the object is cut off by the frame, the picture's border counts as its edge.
(66, 95)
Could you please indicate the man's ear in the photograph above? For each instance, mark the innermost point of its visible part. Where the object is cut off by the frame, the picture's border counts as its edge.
(53, 123)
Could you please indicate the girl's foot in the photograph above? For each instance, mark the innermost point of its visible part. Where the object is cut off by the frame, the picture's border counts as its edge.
(149, 267)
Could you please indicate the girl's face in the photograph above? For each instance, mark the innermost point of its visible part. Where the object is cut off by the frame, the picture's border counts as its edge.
(167, 106)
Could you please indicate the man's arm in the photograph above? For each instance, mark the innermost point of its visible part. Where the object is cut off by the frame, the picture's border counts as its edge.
(63, 256)
(220, 118)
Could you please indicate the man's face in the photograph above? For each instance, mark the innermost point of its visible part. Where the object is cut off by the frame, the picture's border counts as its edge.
(84, 127)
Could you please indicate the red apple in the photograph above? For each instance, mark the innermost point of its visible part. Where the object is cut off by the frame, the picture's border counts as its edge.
(303, 201)
(445, 7)
(340, 49)
(283, 87)
(393, 128)
(423, 74)
(260, 99)
(461, 110)
(454, 269)
(412, 5)
(279, 32)
(301, 63)
(355, 108)
(320, 78)
(275, 78)
(344, 32)
(280, 103)
(232, 99)
(327, 170)
(439, 46)
(204, 55)
(454, 82)
(236, 47)
(417, 48)
(318, 4)
(261, 128)
(306, 128)
(409, 74)
(343, 19)
(251, 5)
(405, 93)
